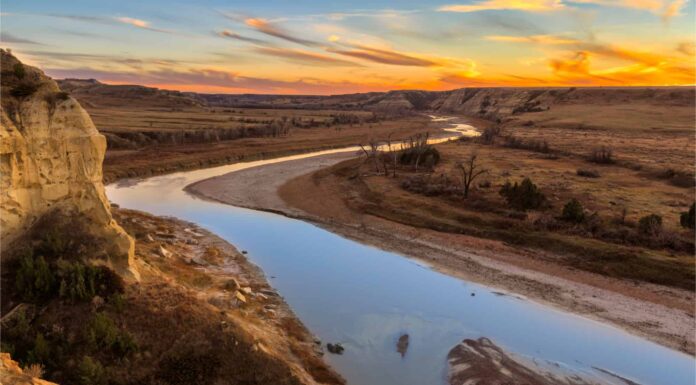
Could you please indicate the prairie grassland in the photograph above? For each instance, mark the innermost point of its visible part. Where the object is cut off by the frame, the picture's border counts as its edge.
(609, 242)
(163, 156)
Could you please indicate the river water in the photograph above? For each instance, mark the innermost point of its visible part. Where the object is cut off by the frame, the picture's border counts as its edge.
(366, 298)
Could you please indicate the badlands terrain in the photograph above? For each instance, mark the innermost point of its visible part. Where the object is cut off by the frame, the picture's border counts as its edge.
(603, 228)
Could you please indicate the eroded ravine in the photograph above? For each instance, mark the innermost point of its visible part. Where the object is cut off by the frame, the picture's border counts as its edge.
(367, 298)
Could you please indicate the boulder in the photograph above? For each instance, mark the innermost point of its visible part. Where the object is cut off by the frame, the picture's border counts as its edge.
(336, 348)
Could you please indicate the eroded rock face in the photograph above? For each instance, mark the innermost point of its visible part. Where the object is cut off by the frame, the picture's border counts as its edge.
(12, 374)
(51, 158)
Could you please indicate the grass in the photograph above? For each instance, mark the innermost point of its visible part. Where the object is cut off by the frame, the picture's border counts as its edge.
(484, 215)
(158, 331)
(160, 159)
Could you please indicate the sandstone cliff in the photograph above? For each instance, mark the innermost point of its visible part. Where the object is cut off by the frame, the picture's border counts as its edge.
(12, 374)
(51, 158)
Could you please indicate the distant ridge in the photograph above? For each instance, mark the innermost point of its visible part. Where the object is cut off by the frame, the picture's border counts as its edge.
(488, 103)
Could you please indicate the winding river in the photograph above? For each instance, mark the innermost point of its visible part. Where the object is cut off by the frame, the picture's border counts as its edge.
(366, 298)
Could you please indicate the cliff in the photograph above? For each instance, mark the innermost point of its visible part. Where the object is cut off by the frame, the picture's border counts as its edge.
(488, 103)
(51, 158)
(12, 374)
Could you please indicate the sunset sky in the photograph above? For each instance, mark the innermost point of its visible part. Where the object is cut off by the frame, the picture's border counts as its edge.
(332, 47)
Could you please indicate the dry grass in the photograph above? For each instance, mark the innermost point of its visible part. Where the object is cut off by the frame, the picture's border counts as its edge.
(655, 137)
(485, 214)
(169, 158)
(179, 336)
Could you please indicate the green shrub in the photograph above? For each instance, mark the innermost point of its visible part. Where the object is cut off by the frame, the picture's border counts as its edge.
(7, 347)
(103, 333)
(91, 372)
(523, 196)
(81, 282)
(77, 282)
(19, 71)
(118, 301)
(573, 211)
(602, 155)
(489, 133)
(55, 242)
(34, 279)
(41, 353)
(650, 225)
(427, 156)
(587, 173)
(124, 345)
(24, 89)
(688, 218)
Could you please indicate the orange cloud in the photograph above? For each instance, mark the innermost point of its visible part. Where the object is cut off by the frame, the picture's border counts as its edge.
(665, 8)
(537, 39)
(522, 5)
(233, 35)
(578, 69)
(646, 58)
(592, 47)
(384, 56)
(304, 56)
(687, 48)
(578, 64)
(267, 28)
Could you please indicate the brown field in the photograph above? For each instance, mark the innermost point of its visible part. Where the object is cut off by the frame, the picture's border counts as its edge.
(651, 173)
(657, 137)
(484, 214)
(162, 158)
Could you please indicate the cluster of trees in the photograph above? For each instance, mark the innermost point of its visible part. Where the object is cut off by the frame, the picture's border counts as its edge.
(414, 152)
(52, 269)
(536, 145)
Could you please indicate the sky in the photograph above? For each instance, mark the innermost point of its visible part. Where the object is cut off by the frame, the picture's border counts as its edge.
(338, 47)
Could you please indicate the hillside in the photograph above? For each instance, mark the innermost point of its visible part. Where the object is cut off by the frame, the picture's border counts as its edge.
(93, 93)
(482, 102)
(82, 303)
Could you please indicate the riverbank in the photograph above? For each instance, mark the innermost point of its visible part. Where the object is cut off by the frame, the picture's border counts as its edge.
(188, 270)
(661, 314)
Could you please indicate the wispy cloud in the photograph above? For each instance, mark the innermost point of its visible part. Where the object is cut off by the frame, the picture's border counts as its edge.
(687, 48)
(219, 81)
(509, 23)
(6, 37)
(84, 18)
(522, 5)
(593, 47)
(667, 9)
(305, 57)
(140, 24)
(384, 56)
(536, 39)
(270, 29)
(235, 36)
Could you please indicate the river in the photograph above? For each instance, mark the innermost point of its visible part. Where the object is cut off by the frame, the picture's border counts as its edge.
(366, 298)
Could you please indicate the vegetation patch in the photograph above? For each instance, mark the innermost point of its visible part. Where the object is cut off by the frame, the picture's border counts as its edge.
(523, 196)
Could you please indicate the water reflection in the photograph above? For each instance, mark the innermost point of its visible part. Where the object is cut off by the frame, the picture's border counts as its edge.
(365, 298)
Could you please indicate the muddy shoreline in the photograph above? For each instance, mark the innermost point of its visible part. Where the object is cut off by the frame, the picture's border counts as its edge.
(635, 307)
(224, 281)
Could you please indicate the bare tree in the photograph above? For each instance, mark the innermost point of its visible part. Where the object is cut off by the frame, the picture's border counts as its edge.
(470, 171)
(394, 154)
(373, 153)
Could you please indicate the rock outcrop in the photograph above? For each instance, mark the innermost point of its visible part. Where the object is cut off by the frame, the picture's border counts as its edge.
(12, 374)
(481, 362)
(51, 158)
